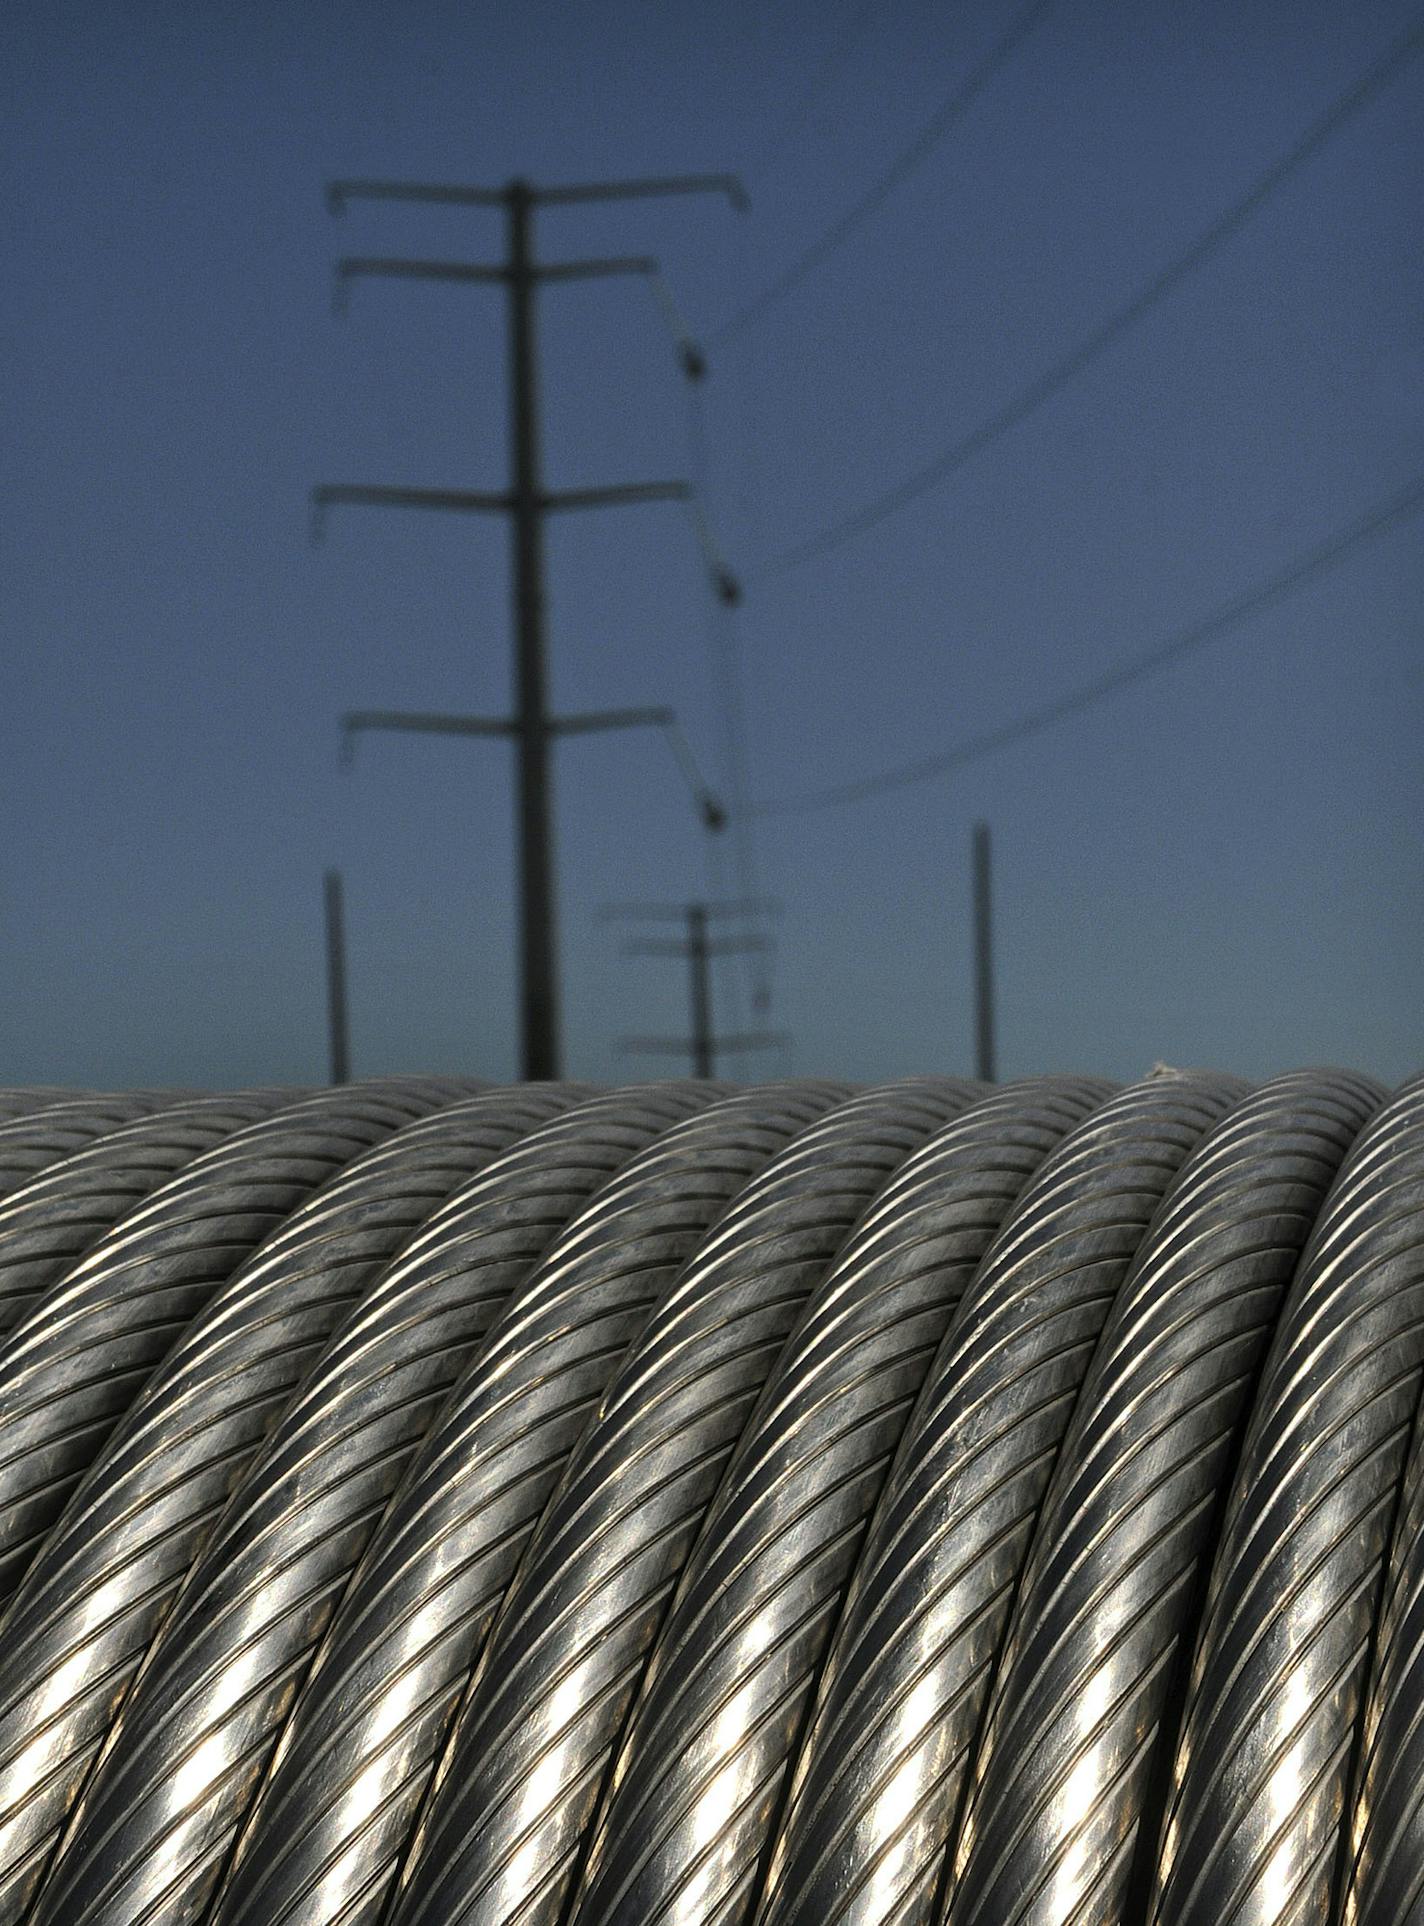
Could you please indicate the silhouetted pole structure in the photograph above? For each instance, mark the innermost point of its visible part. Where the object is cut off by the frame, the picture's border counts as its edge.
(538, 941)
(702, 1044)
(984, 1065)
(336, 979)
(527, 502)
(699, 970)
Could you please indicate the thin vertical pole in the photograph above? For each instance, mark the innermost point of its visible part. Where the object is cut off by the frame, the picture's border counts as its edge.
(538, 967)
(984, 1066)
(336, 979)
(699, 970)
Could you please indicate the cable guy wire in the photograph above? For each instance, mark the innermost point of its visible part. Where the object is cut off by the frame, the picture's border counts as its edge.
(1059, 373)
(1315, 561)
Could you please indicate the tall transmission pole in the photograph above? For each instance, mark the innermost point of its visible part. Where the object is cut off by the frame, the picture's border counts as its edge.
(984, 1053)
(701, 1045)
(527, 502)
(337, 1028)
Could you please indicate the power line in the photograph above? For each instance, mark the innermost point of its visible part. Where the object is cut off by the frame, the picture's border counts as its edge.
(1064, 370)
(1316, 561)
(946, 116)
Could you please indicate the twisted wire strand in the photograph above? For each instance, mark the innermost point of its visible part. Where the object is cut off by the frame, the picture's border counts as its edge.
(339, 1813)
(33, 1138)
(49, 1223)
(1385, 1873)
(427, 1504)
(1082, 1706)
(60, 1394)
(526, 1760)
(219, 1676)
(98, 1589)
(23, 1100)
(1263, 1764)
(698, 1780)
(885, 1765)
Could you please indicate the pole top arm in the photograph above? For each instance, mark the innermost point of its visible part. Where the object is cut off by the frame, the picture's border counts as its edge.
(650, 188)
(338, 193)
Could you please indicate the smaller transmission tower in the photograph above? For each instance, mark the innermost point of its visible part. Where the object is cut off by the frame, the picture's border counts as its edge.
(698, 946)
(985, 1055)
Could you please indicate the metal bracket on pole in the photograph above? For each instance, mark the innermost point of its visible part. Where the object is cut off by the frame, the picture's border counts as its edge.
(591, 722)
(361, 495)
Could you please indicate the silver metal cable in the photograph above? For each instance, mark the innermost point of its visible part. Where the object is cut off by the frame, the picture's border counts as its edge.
(784, 1506)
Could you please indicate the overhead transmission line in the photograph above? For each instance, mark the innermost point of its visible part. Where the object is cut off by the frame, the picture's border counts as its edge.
(1316, 561)
(947, 114)
(1059, 373)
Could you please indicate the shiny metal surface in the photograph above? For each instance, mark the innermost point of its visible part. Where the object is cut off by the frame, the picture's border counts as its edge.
(1080, 1726)
(221, 1677)
(23, 1100)
(431, 1505)
(700, 1772)
(883, 1771)
(33, 1139)
(75, 1358)
(49, 1223)
(1384, 1875)
(522, 1776)
(338, 1816)
(99, 1586)
(1255, 1826)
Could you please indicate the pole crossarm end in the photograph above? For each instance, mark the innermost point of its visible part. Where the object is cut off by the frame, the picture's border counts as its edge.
(593, 269)
(589, 722)
(338, 193)
(350, 266)
(654, 187)
(425, 723)
(328, 495)
(618, 495)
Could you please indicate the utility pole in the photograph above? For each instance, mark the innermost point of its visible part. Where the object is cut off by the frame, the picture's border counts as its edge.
(527, 502)
(336, 979)
(984, 1065)
(702, 1045)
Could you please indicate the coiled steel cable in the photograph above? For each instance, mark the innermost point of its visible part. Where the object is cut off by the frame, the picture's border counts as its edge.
(23, 1100)
(521, 1777)
(79, 1343)
(415, 1620)
(32, 1138)
(221, 1677)
(1256, 1829)
(98, 1589)
(700, 1773)
(1385, 1881)
(883, 1771)
(928, 1505)
(1074, 1730)
(49, 1223)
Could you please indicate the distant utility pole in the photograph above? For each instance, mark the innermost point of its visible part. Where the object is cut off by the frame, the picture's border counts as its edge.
(336, 979)
(984, 1066)
(526, 501)
(702, 1045)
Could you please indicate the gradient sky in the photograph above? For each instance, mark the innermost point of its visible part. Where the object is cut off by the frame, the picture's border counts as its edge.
(1221, 864)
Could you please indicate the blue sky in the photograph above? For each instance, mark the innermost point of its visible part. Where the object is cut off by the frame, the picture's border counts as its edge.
(1221, 864)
